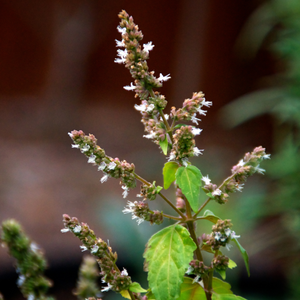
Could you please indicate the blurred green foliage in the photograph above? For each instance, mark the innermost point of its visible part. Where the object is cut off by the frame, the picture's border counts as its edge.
(275, 26)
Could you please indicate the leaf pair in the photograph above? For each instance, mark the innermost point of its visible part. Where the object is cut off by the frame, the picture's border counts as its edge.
(188, 179)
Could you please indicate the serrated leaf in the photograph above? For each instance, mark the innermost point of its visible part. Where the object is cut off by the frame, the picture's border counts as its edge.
(135, 287)
(226, 297)
(231, 264)
(167, 258)
(210, 216)
(220, 286)
(191, 291)
(244, 254)
(164, 145)
(169, 171)
(189, 180)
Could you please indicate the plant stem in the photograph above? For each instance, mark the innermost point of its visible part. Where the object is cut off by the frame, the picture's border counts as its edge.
(144, 181)
(202, 206)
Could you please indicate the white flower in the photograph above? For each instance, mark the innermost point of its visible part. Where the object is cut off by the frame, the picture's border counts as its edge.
(111, 165)
(122, 56)
(65, 230)
(121, 60)
(131, 209)
(30, 297)
(150, 107)
(166, 116)
(120, 43)
(70, 135)
(239, 187)
(190, 270)
(20, 280)
(85, 148)
(77, 229)
(197, 151)
(151, 135)
(104, 178)
(227, 231)
(83, 248)
(75, 146)
(91, 159)
(185, 161)
(124, 272)
(201, 111)
(148, 47)
(94, 249)
(234, 236)
(206, 103)
(218, 236)
(121, 30)
(141, 107)
(241, 163)
(172, 156)
(194, 119)
(107, 288)
(206, 179)
(217, 192)
(266, 156)
(228, 246)
(163, 78)
(125, 193)
(196, 131)
(130, 88)
(259, 170)
(102, 166)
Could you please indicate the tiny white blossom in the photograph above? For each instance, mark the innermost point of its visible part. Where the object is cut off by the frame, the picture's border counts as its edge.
(206, 103)
(190, 270)
(239, 187)
(150, 107)
(197, 151)
(151, 135)
(259, 170)
(121, 30)
(102, 166)
(124, 272)
(196, 279)
(194, 119)
(107, 288)
(266, 156)
(234, 236)
(131, 209)
(217, 192)
(94, 249)
(65, 230)
(77, 229)
(166, 116)
(121, 60)
(185, 161)
(163, 78)
(201, 111)
(148, 47)
(20, 280)
(141, 107)
(172, 156)
(218, 236)
(91, 159)
(130, 87)
(206, 179)
(75, 146)
(228, 246)
(85, 148)
(241, 163)
(112, 165)
(125, 193)
(104, 178)
(70, 135)
(30, 297)
(196, 131)
(83, 248)
(227, 231)
(122, 56)
(120, 43)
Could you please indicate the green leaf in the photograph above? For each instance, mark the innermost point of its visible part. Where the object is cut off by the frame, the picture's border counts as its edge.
(210, 216)
(135, 287)
(222, 273)
(150, 295)
(244, 254)
(231, 264)
(191, 291)
(164, 145)
(169, 171)
(167, 258)
(220, 286)
(226, 297)
(189, 180)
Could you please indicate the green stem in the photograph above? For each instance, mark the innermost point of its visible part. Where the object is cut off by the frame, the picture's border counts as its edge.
(201, 208)
(131, 295)
(160, 194)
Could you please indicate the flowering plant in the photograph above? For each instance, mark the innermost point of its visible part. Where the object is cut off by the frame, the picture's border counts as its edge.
(174, 255)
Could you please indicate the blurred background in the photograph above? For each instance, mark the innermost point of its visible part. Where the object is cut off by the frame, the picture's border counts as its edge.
(57, 73)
